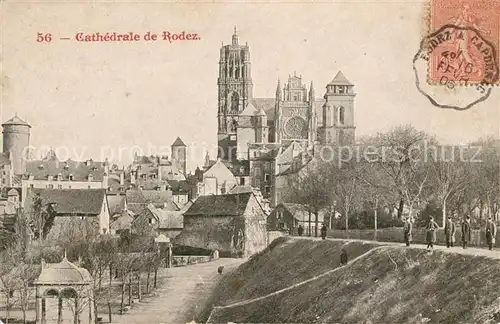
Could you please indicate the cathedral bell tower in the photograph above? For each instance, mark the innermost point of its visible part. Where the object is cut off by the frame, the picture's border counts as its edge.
(235, 92)
(338, 112)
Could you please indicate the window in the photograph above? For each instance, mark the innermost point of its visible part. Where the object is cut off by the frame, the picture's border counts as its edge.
(50, 186)
(267, 177)
(242, 181)
(257, 182)
(341, 115)
(70, 177)
(268, 189)
(281, 225)
(59, 187)
(257, 171)
(232, 137)
(32, 186)
(341, 89)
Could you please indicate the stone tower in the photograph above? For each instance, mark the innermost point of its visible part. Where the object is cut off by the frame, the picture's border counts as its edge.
(16, 141)
(338, 112)
(235, 92)
(179, 155)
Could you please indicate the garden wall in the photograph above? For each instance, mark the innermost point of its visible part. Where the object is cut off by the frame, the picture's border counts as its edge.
(184, 260)
(395, 234)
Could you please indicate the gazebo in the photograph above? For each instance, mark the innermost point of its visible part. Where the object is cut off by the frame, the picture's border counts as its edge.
(64, 294)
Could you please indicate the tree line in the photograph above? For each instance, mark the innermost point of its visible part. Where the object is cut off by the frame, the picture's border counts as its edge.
(402, 172)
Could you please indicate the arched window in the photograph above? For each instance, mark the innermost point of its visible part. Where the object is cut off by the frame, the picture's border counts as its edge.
(341, 115)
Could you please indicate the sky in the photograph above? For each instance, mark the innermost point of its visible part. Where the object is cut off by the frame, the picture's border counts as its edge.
(90, 99)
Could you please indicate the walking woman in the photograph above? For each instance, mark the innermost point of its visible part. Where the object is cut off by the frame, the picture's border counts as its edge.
(432, 227)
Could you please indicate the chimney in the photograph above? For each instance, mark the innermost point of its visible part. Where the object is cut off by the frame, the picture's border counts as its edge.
(122, 178)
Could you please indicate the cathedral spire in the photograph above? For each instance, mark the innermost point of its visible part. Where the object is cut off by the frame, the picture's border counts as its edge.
(235, 37)
(278, 90)
(311, 92)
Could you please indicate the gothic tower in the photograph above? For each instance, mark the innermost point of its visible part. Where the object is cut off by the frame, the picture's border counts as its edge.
(235, 92)
(277, 115)
(338, 112)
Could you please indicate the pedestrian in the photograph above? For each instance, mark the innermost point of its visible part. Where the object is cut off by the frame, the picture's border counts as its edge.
(323, 232)
(449, 232)
(432, 227)
(343, 257)
(491, 232)
(300, 230)
(466, 232)
(408, 226)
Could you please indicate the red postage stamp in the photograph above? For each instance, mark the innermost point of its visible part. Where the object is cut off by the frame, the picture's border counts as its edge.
(463, 46)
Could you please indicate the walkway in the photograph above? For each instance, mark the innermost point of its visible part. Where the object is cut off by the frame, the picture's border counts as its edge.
(180, 297)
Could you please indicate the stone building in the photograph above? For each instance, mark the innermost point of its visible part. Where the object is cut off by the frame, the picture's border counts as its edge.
(51, 173)
(288, 216)
(76, 211)
(233, 224)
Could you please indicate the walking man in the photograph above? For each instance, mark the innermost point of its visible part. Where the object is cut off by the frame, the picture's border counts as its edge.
(408, 226)
(466, 232)
(491, 232)
(323, 232)
(432, 227)
(449, 232)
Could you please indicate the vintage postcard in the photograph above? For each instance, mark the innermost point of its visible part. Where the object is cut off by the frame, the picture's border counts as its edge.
(249, 161)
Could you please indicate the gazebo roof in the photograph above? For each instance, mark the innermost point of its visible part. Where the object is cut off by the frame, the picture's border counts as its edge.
(63, 272)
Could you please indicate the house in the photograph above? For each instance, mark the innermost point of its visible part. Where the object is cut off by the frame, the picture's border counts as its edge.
(121, 223)
(51, 173)
(233, 224)
(158, 221)
(8, 210)
(288, 217)
(217, 180)
(76, 211)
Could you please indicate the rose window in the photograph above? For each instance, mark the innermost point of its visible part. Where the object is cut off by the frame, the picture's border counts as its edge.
(296, 128)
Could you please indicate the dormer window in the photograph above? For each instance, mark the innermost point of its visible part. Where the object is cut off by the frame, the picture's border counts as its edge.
(71, 177)
(91, 177)
(66, 166)
(59, 177)
(41, 166)
(50, 178)
(31, 176)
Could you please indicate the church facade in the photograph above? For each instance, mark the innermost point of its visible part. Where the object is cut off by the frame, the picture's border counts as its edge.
(295, 114)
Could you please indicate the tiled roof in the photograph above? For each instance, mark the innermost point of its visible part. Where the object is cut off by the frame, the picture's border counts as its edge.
(16, 121)
(80, 202)
(179, 186)
(63, 272)
(123, 222)
(241, 189)
(135, 201)
(41, 169)
(116, 204)
(340, 79)
(219, 205)
(168, 219)
(178, 142)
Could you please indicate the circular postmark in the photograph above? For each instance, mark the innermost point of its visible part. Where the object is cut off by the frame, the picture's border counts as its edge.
(455, 67)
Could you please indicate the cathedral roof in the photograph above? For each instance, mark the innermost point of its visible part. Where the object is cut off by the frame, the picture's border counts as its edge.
(340, 79)
(178, 142)
(250, 110)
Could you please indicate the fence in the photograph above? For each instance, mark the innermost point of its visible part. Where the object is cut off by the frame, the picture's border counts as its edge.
(395, 234)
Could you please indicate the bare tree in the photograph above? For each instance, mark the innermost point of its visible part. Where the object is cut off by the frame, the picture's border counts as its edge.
(403, 155)
(8, 279)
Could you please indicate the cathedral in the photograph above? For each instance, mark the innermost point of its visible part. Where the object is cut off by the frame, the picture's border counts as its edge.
(294, 115)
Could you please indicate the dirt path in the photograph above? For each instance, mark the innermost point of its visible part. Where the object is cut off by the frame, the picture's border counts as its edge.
(457, 249)
(180, 297)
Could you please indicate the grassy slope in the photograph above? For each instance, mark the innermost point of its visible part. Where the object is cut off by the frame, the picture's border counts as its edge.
(286, 262)
(392, 285)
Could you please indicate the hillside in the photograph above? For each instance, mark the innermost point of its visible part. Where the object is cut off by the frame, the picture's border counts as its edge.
(391, 284)
(285, 262)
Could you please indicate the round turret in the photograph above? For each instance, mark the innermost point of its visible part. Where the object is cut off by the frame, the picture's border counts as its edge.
(16, 141)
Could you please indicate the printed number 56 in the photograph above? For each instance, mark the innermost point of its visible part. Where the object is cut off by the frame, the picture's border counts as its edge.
(41, 37)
